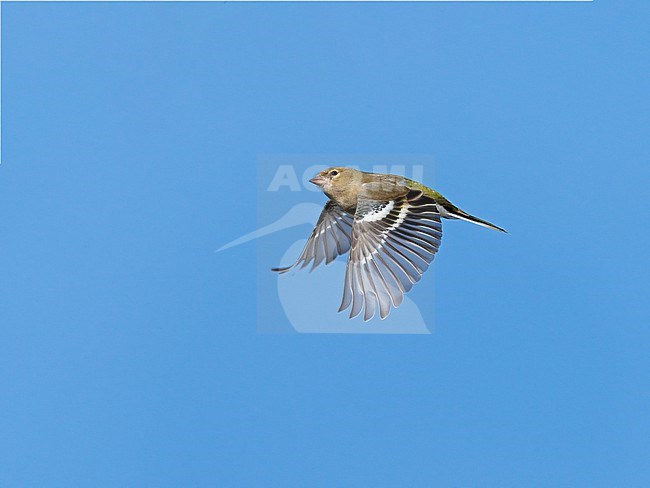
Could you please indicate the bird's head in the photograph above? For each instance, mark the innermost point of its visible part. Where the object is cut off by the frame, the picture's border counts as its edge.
(336, 179)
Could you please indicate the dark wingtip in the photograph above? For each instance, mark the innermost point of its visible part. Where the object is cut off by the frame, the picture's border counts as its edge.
(280, 270)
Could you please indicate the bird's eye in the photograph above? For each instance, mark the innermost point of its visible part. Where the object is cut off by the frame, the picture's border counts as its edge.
(334, 173)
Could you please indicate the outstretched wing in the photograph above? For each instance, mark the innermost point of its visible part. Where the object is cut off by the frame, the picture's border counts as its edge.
(393, 243)
(329, 239)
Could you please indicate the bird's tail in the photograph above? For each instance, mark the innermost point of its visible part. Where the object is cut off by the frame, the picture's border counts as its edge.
(457, 213)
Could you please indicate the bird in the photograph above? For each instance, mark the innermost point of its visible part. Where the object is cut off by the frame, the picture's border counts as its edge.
(391, 228)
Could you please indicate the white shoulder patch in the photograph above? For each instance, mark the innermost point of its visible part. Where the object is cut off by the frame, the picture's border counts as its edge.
(378, 212)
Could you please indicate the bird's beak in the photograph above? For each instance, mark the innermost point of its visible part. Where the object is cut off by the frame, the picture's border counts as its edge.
(318, 180)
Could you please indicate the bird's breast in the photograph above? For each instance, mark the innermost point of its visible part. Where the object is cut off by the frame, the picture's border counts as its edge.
(345, 201)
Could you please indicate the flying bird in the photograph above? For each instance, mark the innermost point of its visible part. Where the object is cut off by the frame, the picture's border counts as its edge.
(391, 227)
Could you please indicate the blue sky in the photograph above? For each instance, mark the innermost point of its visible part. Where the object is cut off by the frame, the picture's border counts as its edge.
(129, 349)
